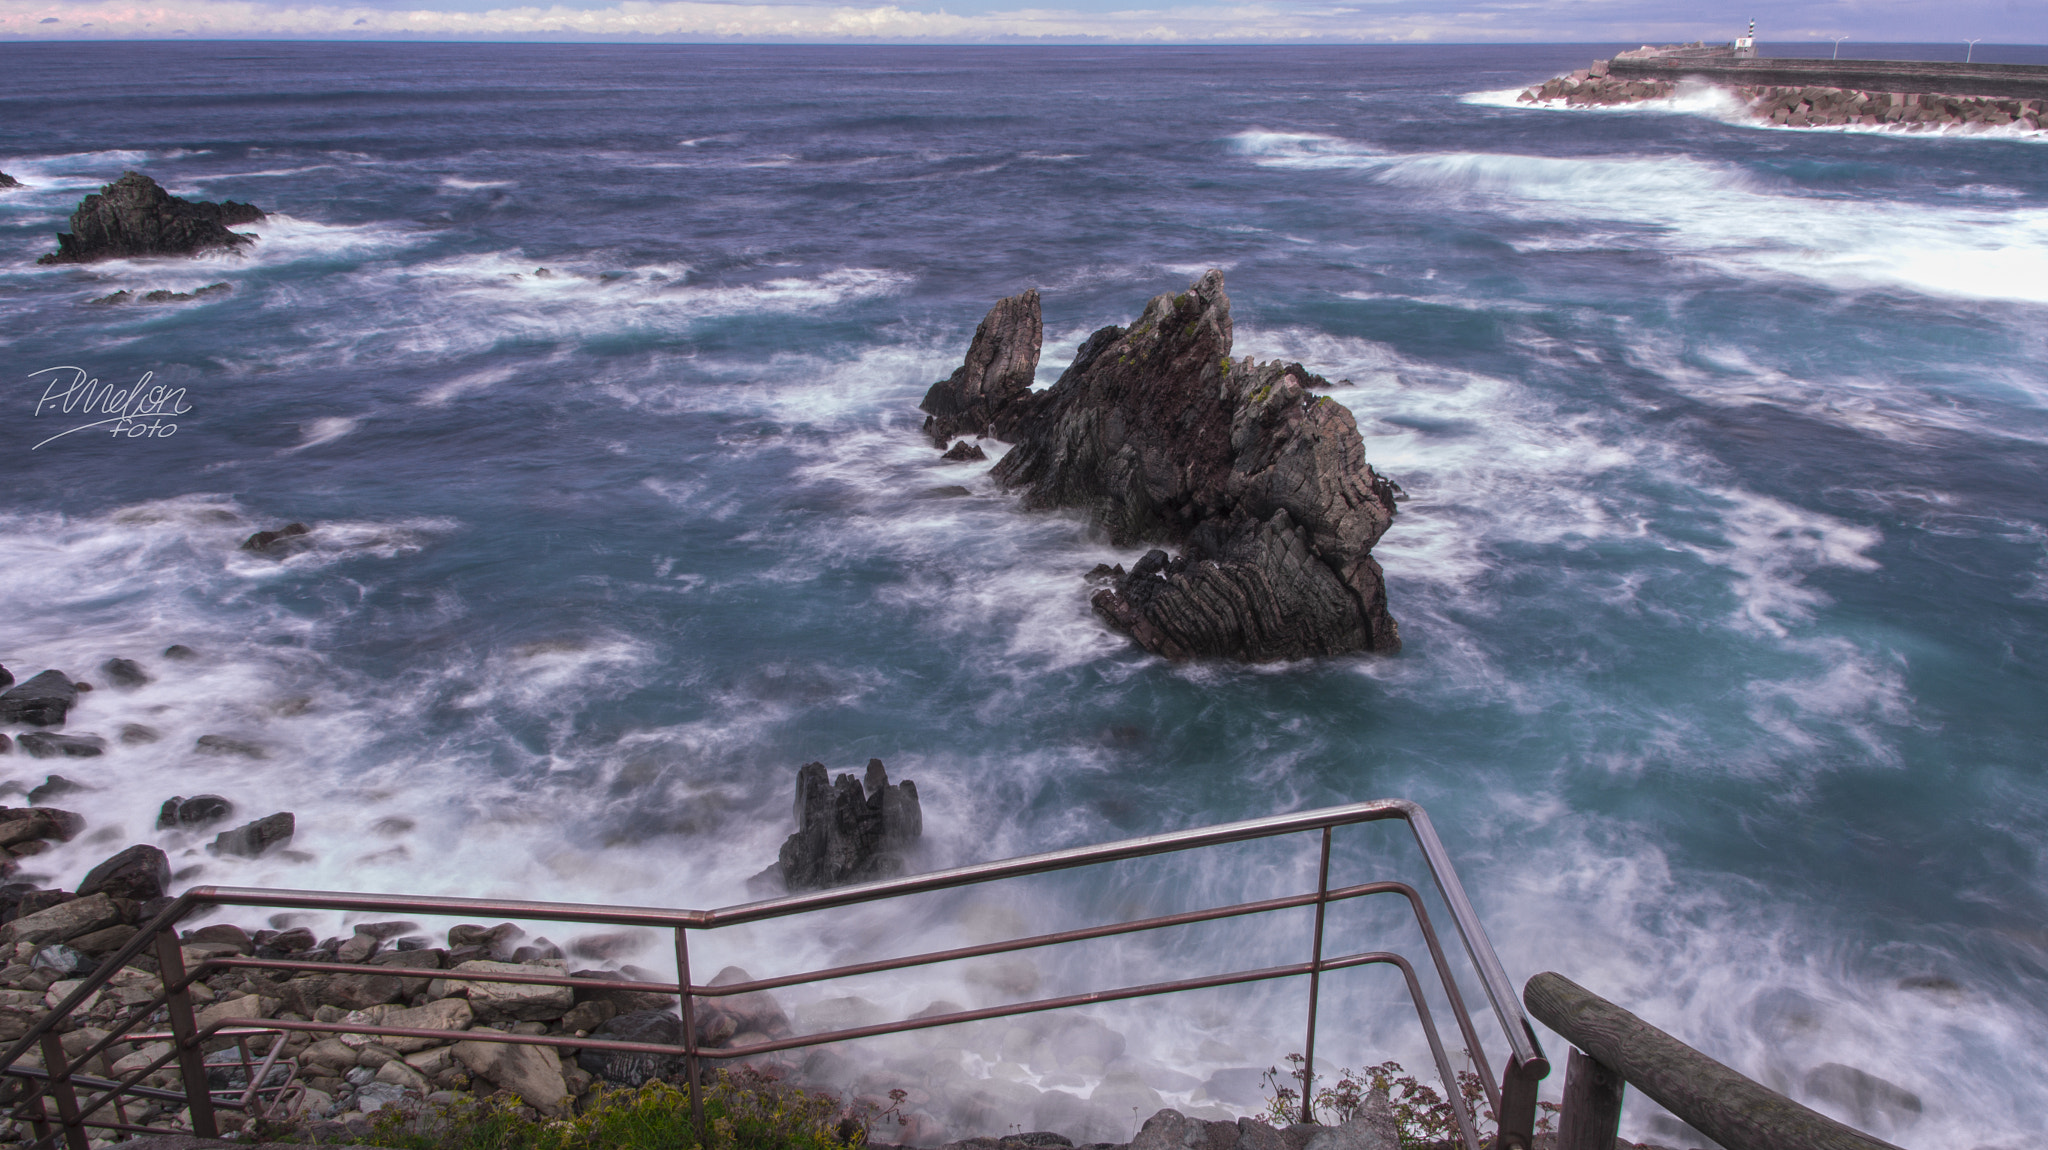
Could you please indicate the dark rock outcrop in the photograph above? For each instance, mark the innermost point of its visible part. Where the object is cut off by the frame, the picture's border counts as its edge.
(1000, 365)
(252, 839)
(624, 1068)
(848, 830)
(281, 542)
(1261, 482)
(42, 701)
(134, 217)
(7, 181)
(965, 452)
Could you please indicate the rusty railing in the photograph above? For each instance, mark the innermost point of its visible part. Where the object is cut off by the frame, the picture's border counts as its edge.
(79, 1100)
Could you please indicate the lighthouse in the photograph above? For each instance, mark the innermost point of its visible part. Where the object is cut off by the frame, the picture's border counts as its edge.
(1745, 45)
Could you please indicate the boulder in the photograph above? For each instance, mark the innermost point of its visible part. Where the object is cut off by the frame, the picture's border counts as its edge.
(1261, 482)
(965, 452)
(511, 1001)
(142, 872)
(450, 1014)
(124, 672)
(252, 839)
(133, 217)
(63, 922)
(22, 824)
(41, 701)
(180, 652)
(1372, 1128)
(284, 541)
(1001, 362)
(849, 830)
(621, 1068)
(531, 1072)
(190, 814)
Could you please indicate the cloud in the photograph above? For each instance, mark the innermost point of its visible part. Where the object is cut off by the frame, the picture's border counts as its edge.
(815, 21)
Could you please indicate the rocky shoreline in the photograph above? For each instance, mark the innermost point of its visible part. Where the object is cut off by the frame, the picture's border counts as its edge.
(1806, 106)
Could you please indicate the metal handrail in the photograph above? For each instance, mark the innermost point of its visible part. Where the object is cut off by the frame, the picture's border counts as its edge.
(1513, 1098)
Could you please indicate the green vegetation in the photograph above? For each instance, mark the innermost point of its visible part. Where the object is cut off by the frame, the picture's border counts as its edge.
(743, 1110)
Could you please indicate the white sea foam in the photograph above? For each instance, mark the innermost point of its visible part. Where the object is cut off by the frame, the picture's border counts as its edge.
(1719, 214)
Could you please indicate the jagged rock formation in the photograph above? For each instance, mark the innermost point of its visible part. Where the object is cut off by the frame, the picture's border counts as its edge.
(134, 217)
(7, 181)
(848, 830)
(1262, 483)
(1000, 365)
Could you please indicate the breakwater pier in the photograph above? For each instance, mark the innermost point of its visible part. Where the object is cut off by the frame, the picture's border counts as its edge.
(1907, 94)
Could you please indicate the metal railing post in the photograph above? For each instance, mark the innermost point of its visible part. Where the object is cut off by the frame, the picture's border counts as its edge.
(1315, 982)
(61, 1090)
(688, 997)
(170, 967)
(1517, 1115)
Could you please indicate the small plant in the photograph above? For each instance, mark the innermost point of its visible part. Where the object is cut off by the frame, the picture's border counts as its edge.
(1424, 1119)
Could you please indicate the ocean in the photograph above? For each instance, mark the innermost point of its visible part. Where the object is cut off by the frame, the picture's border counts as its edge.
(1723, 571)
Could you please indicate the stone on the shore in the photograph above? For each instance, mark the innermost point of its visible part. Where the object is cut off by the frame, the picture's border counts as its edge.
(254, 838)
(22, 824)
(1372, 1128)
(63, 922)
(623, 1068)
(133, 217)
(1001, 363)
(124, 672)
(41, 701)
(1262, 483)
(141, 872)
(511, 1001)
(531, 1072)
(451, 1014)
(190, 814)
(849, 831)
(965, 452)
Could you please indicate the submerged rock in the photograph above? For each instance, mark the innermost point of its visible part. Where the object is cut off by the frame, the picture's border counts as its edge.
(134, 217)
(124, 672)
(849, 830)
(286, 540)
(50, 745)
(252, 839)
(1261, 482)
(182, 813)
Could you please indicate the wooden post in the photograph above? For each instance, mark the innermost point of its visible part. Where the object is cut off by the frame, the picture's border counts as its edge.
(1734, 1111)
(1592, 1105)
(170, 967)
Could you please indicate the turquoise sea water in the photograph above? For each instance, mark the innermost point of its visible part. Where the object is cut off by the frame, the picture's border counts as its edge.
(1722, 575)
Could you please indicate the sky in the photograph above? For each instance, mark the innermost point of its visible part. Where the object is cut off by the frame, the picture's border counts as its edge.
(1011, 21)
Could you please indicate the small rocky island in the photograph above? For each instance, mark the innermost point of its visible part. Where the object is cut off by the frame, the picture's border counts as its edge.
(1259, 481)
(7, 181)
(135, 217)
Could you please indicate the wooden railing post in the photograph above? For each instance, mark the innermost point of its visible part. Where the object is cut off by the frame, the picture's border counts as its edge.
(170, 967)
(1592, 1105)
(61, 1090)
(1735, 1111)
(1518, 1085)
